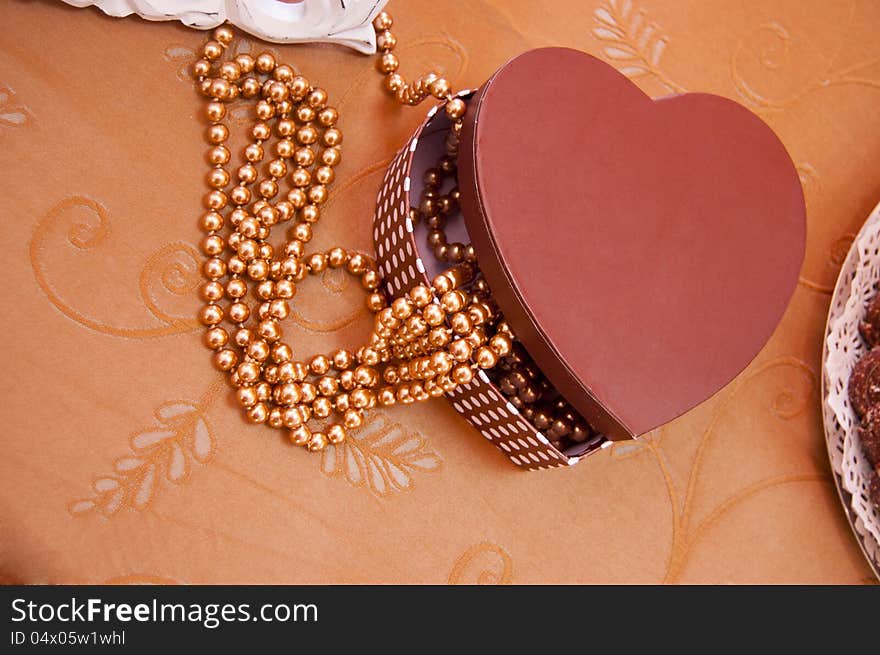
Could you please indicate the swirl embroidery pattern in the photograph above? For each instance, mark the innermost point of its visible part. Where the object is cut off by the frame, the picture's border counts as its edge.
(484, 563)
(169, 275)
(784, 404)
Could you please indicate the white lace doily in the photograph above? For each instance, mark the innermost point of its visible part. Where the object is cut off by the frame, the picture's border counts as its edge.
(856, 286)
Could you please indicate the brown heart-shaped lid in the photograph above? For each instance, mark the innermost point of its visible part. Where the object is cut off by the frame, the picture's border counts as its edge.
(642, 250)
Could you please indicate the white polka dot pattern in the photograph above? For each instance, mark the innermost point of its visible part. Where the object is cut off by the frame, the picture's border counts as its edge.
(480, 402)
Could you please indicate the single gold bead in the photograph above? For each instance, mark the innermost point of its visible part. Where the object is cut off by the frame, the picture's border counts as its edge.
(225, 359)
(278, 92)
(439, 88)
(324, 174)
(360, 398)
(452, 301)
(462, 374)
(236, 288)
(394, 82)
(265, 62)
(421, 295)
(239, 312)
(283, 73)
(306, 135)
(216, 338)
(215, 111)
(202, 67)
(300, 435)
(336, 257)
(501, 345)
(318, 194)
(342, 359)
(240, 195)
(279, 308)
(352, 418)
(214, 268)
(277, 168)
(253, 153)
(386, 396)
(417, 390)
(212, 291)
(285, 289)
(317, 442)
(317, 263)
(218, 178)
(328, 386)
(250, 87)
(269, 330)
(215, 200)
(322, 407)
(346, 381)
(376, 302)
(218, 133)
(300, 177)
(456, 108)
(332, 137)
(402, 308)
(212, 50)
(434, 314)
(317, 98)
(328, 116)
(247, 396)
(219, 88)
(319, 364)
(385, 40)
(336, 433)
(442, 284)
(331, 156)
(485, 357)
(304, 156)
(243, 336)
(230, 71)
(383, 21)
(268, 188)
(275, 419)
(365, 376)
(264, 110)
(224, 34)
(248, 372)
(461, 323)
(461, 350)
(371, 279)
(219, 155)
(281, 353)
(299, 87)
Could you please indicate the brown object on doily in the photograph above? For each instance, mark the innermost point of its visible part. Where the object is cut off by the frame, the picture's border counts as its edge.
(874, 489)
(864, 383)
(869, 328)
(869, 435)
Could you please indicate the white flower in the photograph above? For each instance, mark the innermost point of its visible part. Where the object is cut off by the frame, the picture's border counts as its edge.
(281, 21)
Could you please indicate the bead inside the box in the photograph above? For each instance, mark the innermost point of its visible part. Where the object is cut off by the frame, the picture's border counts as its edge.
(406, 260)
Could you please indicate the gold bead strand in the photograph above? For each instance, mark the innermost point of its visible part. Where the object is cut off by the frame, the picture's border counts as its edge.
(410, 93)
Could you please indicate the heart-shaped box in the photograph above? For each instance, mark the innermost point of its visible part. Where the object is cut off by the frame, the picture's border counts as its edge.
(642, 250)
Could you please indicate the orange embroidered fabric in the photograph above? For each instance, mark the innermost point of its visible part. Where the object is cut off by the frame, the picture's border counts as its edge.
(123, 458)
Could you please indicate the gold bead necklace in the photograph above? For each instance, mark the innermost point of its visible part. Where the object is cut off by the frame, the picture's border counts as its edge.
(422, 345)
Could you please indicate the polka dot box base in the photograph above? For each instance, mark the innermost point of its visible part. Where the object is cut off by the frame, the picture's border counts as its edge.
(396, 240)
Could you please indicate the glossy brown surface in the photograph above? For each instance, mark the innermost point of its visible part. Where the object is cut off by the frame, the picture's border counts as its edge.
(643, 250)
